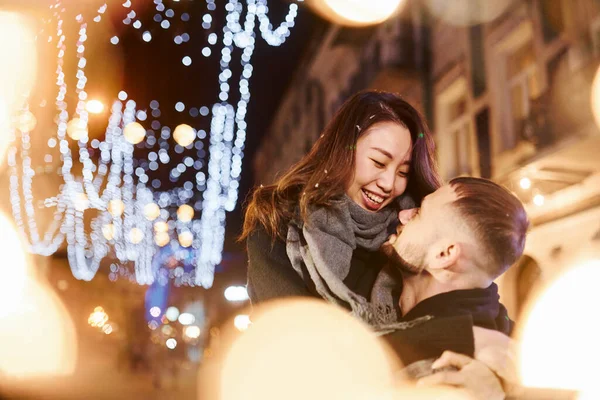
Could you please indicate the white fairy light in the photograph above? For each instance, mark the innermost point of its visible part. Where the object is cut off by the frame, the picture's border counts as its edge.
(132, 218)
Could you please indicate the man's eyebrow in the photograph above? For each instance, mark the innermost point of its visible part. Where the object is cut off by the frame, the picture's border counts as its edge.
(384, 152)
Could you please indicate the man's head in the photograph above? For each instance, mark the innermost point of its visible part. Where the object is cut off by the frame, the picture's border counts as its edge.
(471, 227)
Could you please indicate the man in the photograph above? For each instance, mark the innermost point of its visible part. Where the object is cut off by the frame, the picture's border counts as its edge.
(449, 252)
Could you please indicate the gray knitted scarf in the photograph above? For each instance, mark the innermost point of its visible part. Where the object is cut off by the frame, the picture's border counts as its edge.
(324, 244)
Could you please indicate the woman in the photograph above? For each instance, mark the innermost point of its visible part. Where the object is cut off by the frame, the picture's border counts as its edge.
(316, 231)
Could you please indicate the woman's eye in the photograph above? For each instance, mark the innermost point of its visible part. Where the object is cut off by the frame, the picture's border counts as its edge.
(378, 164)
(402, 174)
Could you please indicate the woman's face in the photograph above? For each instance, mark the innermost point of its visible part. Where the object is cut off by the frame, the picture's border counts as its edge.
(382, 164)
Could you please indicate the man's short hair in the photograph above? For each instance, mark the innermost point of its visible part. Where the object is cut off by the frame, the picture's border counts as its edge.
(497, 217)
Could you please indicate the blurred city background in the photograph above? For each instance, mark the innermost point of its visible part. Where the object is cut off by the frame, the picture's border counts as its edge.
(146, 124)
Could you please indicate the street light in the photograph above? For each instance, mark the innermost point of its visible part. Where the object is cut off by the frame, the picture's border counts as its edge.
(356, 12)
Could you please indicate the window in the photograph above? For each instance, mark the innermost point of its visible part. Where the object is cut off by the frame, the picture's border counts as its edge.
(457, 144)
(523, 79)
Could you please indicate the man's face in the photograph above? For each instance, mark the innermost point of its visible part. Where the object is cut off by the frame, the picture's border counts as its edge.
(420, 228)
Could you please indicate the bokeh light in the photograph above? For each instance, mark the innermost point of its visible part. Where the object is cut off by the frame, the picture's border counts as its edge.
(94, 106)
(186, 238)
(356, 12)
(17, 71)
(77, 129)
(151, 211)
(184, 135)
(136, 235)
(26, 121)
(186, 318)
(108, 230)
(185, 213)
(116, 207)
(569, 295)
(134, 132)
(279, 349)
(193, 332)
(162, 239)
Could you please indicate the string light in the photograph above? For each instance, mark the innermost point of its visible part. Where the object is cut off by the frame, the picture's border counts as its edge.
(131, 217)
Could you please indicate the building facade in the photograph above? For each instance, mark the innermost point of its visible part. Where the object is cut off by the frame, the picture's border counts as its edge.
(508, 99)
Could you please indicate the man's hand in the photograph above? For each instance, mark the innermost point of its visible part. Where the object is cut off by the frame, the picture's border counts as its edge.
(472, 375)
(498, 352)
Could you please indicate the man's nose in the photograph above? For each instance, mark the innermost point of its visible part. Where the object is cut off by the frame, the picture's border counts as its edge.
(406, 215)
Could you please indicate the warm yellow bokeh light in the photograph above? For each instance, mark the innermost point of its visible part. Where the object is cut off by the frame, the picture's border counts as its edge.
(467, 12)
(17, 68)
(571, 367)
(184, 135)
(108, 231)
(151, 211)
(77, 129)
(94, 106)
(525, 183)
(356, 12)
(15, 273)
(81, 202)
(26, 121)
(134, 132)
(116, 207)
(303, 340)
(161, 226)
(193, 332)
(38, 336)
(98, 318)
(162, 238)
(185, 213)
(136, 235)
(186, 238)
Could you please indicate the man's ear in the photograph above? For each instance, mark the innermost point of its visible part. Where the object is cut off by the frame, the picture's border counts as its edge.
(445, 256)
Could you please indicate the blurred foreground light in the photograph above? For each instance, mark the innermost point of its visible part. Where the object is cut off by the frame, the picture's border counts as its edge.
(236, 293)
(538, 200)
(193, 332)
(184, 135)
(186, 319)
(525, 183)
(38, 336)
(15, 273)
(77, 129)
(570, 295)
(172, 313)
(94, 106)
(303, 340)
(356, 12)
(134, 132)
(242, 322)
(467, 12)
(171, 343)
(17, 69)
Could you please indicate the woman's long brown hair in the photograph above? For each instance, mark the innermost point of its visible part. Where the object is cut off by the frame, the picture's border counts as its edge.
(323, 174)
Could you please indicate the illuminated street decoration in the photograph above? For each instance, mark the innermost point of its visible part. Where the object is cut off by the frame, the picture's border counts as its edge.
(131, 217)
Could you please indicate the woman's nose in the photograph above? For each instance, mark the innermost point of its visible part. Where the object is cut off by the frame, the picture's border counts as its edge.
(406, 215)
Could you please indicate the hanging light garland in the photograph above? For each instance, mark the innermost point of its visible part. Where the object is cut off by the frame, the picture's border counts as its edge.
(133, 219)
